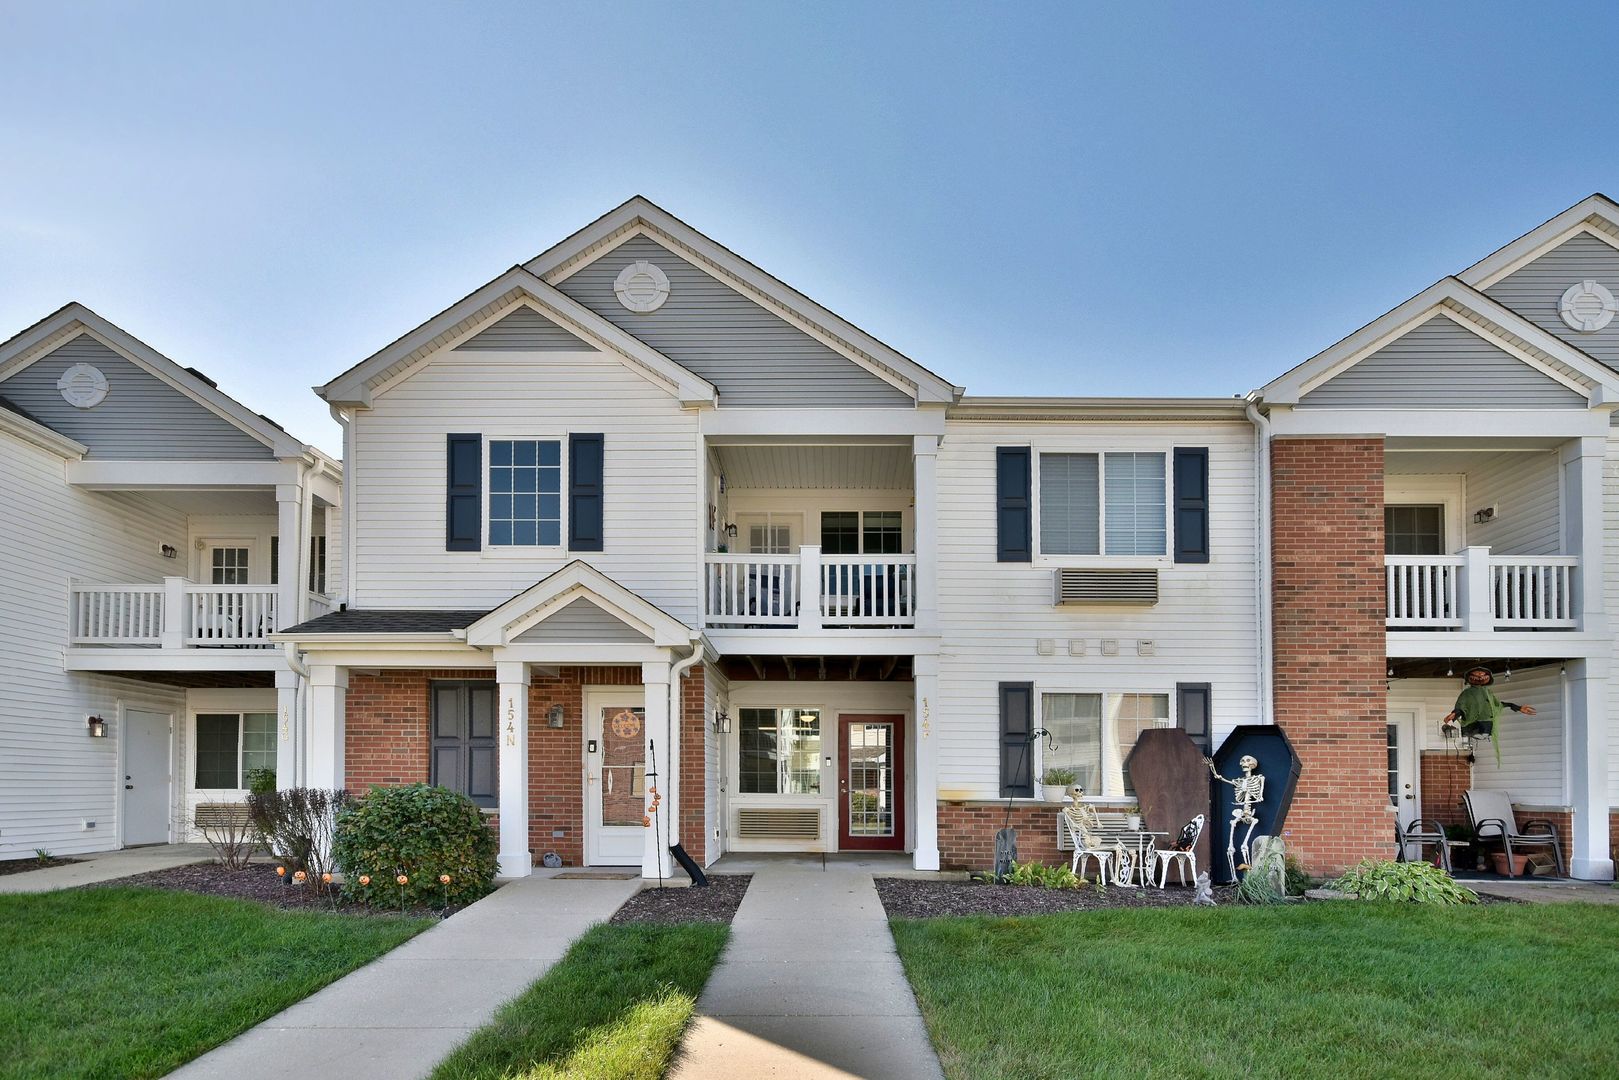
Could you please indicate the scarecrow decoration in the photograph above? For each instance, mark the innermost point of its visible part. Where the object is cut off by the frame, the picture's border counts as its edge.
(1478, 709)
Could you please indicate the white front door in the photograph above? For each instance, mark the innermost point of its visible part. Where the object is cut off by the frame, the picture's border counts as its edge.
(1405, 791)
(147, 770)
(615, 776)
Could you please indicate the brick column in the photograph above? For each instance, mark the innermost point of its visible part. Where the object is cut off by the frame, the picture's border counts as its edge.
(1328, 617)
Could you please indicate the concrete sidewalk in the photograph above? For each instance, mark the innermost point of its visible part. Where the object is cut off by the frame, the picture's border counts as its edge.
(105, 866)
(810, 985)
(395, 1018)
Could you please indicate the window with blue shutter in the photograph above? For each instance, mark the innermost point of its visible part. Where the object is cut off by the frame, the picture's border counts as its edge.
(585, 492)
(525, 493)
(1013, 533)
(1191, 504)
(1017, 749)
(463, 493)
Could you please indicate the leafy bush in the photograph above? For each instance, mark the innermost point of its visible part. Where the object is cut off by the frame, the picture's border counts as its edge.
(1044, 877)
(1062, 778)
(298, 826)
(420, 832)
(1298, 878)
(260, 781)
(1411, 882)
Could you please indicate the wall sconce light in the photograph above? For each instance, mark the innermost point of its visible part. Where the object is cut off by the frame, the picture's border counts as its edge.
(555, 716)
(730, 530)
(1485, 516)
(169, 551)
(722, 721)
(98, 727)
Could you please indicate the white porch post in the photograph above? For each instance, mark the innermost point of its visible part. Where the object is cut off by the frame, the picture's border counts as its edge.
(809, 587)
(328, 708)
(1582, 526)
(1588, 767)
(288, 503)
(286, 728)
(174, 613)
(1476, 590)
(516, 860)
(926, 674)
(655, 859)
(926, 497)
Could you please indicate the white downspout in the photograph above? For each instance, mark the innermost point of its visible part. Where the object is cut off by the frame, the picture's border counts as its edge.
(1262, 539)
(675, 674)
(347, 488)
(300, 721)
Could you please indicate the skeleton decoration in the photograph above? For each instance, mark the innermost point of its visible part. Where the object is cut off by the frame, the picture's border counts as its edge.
(1248, 791)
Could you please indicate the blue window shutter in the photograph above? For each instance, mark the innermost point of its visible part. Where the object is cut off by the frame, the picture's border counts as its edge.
(585, 492)
(1192, 713)
(1191, 504)
(463, 493)
(1017, 749)
(1012, 526)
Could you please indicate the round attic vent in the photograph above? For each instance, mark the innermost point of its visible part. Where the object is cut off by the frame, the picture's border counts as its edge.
(1587, 307)
(83, 386)
(641, 287)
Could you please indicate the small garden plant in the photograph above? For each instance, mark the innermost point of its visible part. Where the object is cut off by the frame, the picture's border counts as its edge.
(1059, 778)
(414, 845)
(1044, 877)
(1408, 882)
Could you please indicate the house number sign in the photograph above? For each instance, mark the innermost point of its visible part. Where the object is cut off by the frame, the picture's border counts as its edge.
(511, 723)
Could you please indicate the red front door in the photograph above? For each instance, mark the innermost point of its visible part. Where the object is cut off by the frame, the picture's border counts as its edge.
(871, 785)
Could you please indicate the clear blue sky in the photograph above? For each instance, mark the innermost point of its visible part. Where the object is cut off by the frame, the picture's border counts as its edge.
(1174, 198)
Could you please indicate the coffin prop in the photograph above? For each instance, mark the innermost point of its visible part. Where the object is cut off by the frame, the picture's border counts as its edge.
(1278, 763)
(1171, 783)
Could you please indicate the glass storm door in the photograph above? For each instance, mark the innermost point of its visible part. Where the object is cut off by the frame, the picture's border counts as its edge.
(615, 777)
(871, 783)
(1404, 794)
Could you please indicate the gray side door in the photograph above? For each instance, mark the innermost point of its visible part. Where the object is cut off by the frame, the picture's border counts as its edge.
(147, 777)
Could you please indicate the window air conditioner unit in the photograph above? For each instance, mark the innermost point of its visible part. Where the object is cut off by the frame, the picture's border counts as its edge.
(1081, 586)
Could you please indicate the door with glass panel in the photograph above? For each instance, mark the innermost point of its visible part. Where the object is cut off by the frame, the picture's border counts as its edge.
(616, 777)
(871, 783)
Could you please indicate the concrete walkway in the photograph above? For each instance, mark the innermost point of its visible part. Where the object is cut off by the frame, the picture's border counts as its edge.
(1549, 891)
(810, 985)
(105, 866)
(395, 1018)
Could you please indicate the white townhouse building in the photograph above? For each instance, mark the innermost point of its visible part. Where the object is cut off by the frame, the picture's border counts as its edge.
(155, 533)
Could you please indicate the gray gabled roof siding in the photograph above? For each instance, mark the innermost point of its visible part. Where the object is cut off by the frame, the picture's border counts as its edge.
(526, 330)
(142, 418)
(1535, 291)
(1440, 365)
(582, 621)
(754, 357)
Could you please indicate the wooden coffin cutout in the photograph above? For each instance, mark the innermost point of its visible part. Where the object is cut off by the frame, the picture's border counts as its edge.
(1171, 783)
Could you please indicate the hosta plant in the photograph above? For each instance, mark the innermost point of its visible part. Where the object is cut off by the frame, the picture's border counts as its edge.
(1408, 882)
(1044, 877)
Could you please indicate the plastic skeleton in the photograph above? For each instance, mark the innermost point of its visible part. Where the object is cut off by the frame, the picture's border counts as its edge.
(1248, 791)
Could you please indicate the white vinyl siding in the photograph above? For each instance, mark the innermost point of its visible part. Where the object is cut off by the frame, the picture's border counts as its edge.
(651, 464)
(993, 615)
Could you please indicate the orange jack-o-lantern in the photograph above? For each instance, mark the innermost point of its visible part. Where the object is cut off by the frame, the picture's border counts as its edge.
(444, 879)
(281, 871)
(402, 879)
(327, 878)
(365, 879)
(299, 877)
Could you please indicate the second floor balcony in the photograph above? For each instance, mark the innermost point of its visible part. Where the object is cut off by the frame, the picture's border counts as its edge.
(810, 591)
(177, 614)
(1477, 590)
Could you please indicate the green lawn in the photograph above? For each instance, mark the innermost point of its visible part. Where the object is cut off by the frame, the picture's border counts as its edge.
(122, 982)
(614, 1008)
(1327, 989)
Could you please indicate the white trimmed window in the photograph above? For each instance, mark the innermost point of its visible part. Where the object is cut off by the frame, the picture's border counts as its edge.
(525, 493)
(1112, 503)
(1095, 732)
(779, 751)
(230, 747)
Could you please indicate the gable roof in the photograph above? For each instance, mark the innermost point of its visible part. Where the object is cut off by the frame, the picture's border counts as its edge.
(1595, 214)
(15, 420)
(1504, 328)
(73, 320)
(559, 590)
(517, 285)
(639, 215)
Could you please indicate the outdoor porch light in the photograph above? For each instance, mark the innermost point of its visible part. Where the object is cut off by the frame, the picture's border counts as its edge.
(722, 721)
(98, 727)
(555, 716)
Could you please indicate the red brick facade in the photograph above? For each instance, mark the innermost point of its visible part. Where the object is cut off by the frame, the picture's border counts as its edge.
(386, 743)
(967, 834)
(1328, 623)
(1445, 777)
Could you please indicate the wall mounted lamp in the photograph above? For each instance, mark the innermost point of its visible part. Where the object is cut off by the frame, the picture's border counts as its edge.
(97, 726)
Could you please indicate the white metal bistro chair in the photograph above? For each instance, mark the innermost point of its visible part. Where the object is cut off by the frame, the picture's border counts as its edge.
(1080, 821)
(1494, 822)
(1182, 854)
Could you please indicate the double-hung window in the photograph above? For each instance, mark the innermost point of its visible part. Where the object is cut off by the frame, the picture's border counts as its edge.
(230, 747)
(779, 751)
(1110, 503)
(525, 493)
(1094, 733)
(855, 532)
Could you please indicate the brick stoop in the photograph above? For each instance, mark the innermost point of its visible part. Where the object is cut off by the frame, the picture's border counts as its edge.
(967, 834)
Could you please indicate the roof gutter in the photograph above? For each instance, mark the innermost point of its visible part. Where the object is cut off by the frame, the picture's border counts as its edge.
(1262, 583)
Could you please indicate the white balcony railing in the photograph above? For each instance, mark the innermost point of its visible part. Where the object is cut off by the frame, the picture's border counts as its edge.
(174, 614)
(864, 591)
(1480, 591)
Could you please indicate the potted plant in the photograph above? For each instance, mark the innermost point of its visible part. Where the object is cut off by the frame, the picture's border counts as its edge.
(1055, 783)
(1132, 816)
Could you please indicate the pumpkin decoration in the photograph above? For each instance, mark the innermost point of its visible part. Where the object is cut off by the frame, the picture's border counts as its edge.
(402, 879)
(365, 879)
(444, 879)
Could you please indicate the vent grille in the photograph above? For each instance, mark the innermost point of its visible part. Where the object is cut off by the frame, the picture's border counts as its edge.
(210, 815)
(778, 823)
(1079, 586)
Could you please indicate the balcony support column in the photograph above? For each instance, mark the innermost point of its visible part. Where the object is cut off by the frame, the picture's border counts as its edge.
(1587, 767)
(287, 734)
(328, 715)
(1582, 461)
(925, 461)
(289, 506)
(174, 613)
(810, 593)
(1477, 611)
(925, 856)
(516, 858)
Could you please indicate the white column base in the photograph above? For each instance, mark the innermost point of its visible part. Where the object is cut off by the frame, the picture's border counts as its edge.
(515, 859)
(1592, 869)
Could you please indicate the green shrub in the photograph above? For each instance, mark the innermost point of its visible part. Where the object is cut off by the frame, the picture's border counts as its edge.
(1063, 778)
(260, 781)
(1298, 878)
(1410, 882)
(420, 832)
(1044, 877)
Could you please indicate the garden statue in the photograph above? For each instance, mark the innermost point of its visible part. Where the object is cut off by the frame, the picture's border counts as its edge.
(1205, 891)
(1248, 790)
(1478, 709)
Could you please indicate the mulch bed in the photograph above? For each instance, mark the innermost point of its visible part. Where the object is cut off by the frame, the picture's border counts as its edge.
(22, 866)
(904, 898)
(717, 903)
(259, 882)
